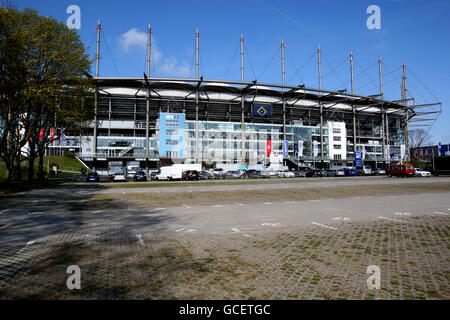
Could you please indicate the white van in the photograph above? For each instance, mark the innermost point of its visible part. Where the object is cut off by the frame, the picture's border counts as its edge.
(364, 171)
(175, 172)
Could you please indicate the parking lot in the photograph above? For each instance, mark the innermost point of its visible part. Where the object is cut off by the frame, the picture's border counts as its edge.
(237, 239)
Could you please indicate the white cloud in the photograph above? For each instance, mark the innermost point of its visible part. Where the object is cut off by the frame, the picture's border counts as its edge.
(171, 67)
(133, 38)
(167, 67)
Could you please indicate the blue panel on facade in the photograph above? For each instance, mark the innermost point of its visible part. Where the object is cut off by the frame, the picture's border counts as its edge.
(358, 160)
(259, 111)
(172, 127)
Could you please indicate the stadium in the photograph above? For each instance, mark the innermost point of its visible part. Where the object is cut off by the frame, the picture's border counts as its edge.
(160, 121)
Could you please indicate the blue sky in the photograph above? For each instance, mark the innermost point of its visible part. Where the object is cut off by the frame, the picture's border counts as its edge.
(413, 32)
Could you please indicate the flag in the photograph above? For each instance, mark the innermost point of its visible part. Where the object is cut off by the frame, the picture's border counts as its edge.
(316, 148)
(268, 148)
(358, 161)
(52, 134)
(62, 138)
(300, 149)
(285, 148)
(421, 152)
(41, 134)
(262, 111)
(402, 151)
(363, 152)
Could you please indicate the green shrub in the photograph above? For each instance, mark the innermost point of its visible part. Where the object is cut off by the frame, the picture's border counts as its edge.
(69, 155)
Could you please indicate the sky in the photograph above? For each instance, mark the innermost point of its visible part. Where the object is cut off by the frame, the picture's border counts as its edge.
(413, 32)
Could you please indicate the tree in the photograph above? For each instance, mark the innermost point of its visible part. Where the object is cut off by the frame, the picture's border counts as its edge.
(43, 84)
(419, 137)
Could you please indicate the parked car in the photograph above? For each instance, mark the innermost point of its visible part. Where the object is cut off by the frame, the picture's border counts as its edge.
(350, 172)
(401, 170)
(219, 173)
(331, 172)
(265, 174)
(190, 175)
(252, 174)
(320, 173)
(422, 173)
(119, 176)
(378, 171)
(340, 172)
(93, 176)
(153, 175)
(204, 175)
(364, 170)
(233, 174)
(140, 176)
(285, 174)
(300, 173)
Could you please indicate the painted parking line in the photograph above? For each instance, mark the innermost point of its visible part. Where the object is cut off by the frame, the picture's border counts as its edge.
(219, 205)
(3, 211)
(392, 219)
(238, 204)
(402, 213)
(271, 224)
(240, 232)
(441, 213)
(268, 203)
(140, 240)
(341, 219)
(185, 230)
(324, 226)
(186, 206)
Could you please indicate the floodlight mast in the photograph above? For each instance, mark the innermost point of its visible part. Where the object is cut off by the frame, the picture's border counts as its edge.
(196, 93)
(97, 58)
(147, 115)
(242, 104)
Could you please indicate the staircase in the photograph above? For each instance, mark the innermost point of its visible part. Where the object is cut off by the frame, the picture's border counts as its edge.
(127, 149)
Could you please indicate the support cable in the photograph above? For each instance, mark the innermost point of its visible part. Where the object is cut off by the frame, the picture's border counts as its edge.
(109, 52)
(250, 63)
(232, 60)
(270, 61)
(304, 65)
(297, 73)
(326, 60)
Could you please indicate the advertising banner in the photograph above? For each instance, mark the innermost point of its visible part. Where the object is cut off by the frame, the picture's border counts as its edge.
(259, 111)
(285, 148)
(268, 148)
(402, 151)
(172, 128)
(300, 149)
(316, 148)
(358, 160)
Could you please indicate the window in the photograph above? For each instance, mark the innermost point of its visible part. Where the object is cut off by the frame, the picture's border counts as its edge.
(172, 132)
(172, 123)
(337, 138)
(337, 146)
(171, 142)
(336, 130)
(172, 154)
(337, 157)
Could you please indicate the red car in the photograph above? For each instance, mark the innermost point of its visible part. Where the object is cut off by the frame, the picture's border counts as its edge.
(401, 170)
